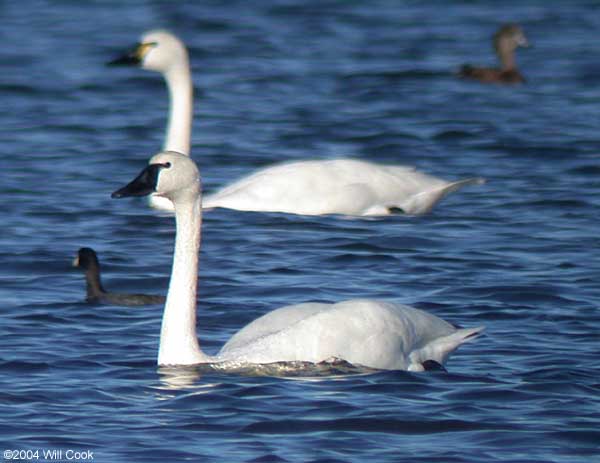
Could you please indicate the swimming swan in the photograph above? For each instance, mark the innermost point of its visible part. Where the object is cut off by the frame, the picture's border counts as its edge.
(87, 260)
(340, 186)
(165, 53)
(373, 334)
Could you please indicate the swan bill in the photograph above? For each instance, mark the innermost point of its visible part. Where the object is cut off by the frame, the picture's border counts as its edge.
(129, 59)
(143, 185)
(134, 57)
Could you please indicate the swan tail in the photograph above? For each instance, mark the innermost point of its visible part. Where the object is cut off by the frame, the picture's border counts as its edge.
(440, 349)
(423, 202)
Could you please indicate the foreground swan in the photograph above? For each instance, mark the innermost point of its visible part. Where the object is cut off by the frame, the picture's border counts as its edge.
(341, 186)
(369, 333)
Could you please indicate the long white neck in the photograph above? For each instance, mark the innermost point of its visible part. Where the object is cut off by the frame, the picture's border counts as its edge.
(178, 339)
(179, 126)
(181, 96)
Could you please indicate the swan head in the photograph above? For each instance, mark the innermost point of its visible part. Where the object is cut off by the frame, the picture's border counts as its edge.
(168, 174)
(157, 50)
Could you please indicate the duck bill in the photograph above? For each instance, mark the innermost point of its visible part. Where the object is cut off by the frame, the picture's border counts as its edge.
(143, 185)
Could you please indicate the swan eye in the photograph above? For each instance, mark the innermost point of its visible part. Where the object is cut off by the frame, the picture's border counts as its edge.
(167, 165)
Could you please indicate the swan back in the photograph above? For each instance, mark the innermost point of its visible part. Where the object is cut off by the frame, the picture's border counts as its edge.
(338, 186)
(370, 333)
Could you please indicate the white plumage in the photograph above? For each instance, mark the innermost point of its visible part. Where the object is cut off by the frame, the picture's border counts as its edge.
(341, 186)
(369, 333)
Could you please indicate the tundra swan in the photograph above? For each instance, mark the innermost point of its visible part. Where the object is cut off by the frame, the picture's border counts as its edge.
(375, 334)
(339, 186)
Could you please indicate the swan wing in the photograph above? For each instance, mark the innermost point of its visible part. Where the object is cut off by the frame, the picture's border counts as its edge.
(273, 323)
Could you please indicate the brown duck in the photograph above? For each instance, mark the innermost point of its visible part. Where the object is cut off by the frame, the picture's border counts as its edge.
(506, 40)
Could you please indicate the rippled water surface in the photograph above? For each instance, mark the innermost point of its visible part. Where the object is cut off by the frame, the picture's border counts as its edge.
(285, 80)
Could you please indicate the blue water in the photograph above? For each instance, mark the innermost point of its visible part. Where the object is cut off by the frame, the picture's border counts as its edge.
(285, 80)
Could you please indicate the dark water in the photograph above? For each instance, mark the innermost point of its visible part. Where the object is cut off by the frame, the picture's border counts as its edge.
(286, 80)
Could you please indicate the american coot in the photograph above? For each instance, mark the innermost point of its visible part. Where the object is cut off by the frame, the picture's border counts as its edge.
(87, 260)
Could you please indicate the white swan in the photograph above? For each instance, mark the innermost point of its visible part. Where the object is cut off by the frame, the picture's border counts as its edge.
(373, 334)
(341, 186)
(163, 52)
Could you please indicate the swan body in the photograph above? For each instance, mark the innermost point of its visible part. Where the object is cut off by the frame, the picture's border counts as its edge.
(373, 334)
(339, 186)
(87, 260)
(342, 186)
